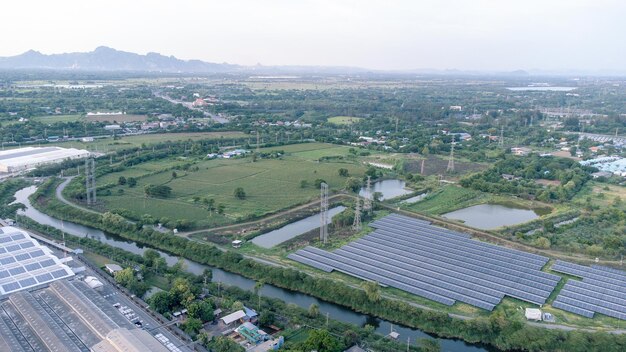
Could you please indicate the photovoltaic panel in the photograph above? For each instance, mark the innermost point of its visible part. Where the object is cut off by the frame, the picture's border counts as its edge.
(437, 264)
(602, 290)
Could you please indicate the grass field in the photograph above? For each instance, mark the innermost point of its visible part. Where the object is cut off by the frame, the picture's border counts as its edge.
(58, 118)
(344, 120)
(270, 184)
(108, 144)
(116, 118)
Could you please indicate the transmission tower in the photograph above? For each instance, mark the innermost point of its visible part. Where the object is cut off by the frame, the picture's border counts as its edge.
(451, 161)
(501, 141)
(324, 213)
(90, 180)
(356, 225)
(367, 202)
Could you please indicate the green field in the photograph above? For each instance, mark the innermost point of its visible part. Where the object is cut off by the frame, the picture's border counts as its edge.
(270, 184)
(108, 144)
(58, 118)
(344, 120)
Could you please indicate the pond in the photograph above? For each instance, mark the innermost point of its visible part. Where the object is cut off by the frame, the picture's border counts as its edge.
(389, 189)
(334, 311)
(289, 231)
(492, 216)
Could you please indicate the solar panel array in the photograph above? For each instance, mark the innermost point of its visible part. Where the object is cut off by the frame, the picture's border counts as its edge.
(25, 264)
(436, 263)
(602, 290)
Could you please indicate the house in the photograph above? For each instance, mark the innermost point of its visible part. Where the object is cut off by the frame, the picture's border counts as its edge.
(112, 268)
(456, 108)
(237, 243)
(238, 316)
(533, 314)
(199, 103)
(520, 151)
(354, 348)
(86, 139)
(252, 333)
(605, 174)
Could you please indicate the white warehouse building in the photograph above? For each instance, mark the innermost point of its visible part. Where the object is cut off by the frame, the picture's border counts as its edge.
(17, 160)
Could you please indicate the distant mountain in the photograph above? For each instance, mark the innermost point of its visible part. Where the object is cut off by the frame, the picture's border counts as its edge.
(108, 59)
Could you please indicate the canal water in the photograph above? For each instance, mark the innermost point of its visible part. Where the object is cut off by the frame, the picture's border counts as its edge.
(415, 199)
(388, 188)
(334, 311)
(491, 216)
(295, 229)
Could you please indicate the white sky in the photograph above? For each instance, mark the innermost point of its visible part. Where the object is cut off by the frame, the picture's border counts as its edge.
(386, 34)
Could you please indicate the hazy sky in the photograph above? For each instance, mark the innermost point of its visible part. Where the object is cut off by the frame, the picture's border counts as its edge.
(388, 34)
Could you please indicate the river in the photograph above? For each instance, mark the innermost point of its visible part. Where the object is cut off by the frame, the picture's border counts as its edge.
(334, 311)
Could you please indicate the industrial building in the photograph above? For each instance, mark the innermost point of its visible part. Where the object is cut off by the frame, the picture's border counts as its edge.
(22, 159)
(45, 307)
(25, 264)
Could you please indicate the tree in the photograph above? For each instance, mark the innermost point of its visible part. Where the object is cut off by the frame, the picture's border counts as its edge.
(353, 184)
(161, 191)
(318, 182)
(192, 326)
(343, 172)
(322, 341)
(132, 182)
(542, 242)
(174, 174)
(237, 305)
(240, 193)
(202, 310)
(121, 181)
(372, 290)
(314, 310)
(161, 301)
(220, 208)
(224, 344)
(304, 184)
(377, 196)
(124, 276)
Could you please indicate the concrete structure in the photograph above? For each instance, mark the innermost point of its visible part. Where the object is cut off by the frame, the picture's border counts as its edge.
(239, 315)
(533, 314)
(124, 340)
(520, 151)
(113, 268)
(22, 159)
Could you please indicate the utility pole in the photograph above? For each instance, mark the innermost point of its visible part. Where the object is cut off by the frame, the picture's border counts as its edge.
(422, 168)
(397, 119)
(90, 180)
(451, 161)
(367, 202)
(501, 141)
(324, 213)
(356, 224)
(258, 143)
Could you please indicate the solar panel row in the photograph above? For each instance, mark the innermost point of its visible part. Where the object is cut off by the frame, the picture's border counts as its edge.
(366, 275)
(537, 261)
(479, 281)
(438, 264)
(611, 270)
(572, 309)
(450, 261)
(602, 290)
(390, 240)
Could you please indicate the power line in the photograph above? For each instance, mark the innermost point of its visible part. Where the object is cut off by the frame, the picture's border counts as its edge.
(324, 213)
(367, 202)
(356, 224)
(451, 161)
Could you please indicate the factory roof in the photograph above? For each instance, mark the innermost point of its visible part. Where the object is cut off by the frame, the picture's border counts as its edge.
(25, 264)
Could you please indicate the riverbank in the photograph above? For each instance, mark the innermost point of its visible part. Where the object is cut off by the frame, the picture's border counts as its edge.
(497, 329)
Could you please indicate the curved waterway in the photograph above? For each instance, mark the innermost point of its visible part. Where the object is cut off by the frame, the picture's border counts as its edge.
(334, 311)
